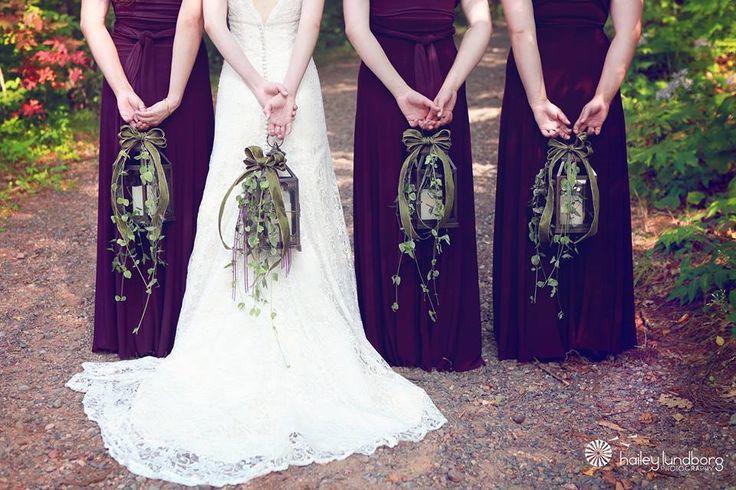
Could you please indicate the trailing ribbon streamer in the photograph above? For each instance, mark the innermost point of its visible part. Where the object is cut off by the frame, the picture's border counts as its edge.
(270, 163)
(418, 144)
(151, 140)
(557, 152)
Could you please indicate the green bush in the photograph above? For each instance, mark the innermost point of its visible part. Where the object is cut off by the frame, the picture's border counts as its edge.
(680, 102)
(45, 75)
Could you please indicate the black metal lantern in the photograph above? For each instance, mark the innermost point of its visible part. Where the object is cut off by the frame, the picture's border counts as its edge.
(290, 191)
(426, 200)
(138, 191)
(574, 210)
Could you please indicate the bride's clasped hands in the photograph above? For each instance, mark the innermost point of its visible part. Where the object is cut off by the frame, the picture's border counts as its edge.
(280, 110)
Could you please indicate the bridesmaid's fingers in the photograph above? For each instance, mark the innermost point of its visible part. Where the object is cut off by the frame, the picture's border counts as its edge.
(430, 105)
(582, 120)
(562, 117)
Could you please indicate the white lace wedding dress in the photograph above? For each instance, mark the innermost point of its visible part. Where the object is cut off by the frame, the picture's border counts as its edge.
(223, 407)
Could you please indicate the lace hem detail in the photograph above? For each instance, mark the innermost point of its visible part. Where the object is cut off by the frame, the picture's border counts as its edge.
(110, 389)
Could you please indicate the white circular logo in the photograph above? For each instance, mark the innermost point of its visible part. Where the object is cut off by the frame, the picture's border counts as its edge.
(598, 453)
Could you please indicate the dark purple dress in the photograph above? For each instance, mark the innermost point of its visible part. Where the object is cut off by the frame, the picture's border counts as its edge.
(597, 291)
(417, 36)
(144, 35)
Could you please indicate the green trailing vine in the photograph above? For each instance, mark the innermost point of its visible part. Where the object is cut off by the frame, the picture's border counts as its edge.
(554, 243)
(427, 168)
(138, 242)
(262, 236)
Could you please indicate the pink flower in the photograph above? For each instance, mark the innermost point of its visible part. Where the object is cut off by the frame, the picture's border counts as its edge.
(32, 108)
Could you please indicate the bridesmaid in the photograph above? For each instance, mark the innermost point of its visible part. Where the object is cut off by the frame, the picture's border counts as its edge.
(413, 75)
(156, 74)
(573, 71)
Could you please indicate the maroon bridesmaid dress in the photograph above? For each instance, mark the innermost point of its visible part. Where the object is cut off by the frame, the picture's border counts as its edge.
(596, 286)
(417, 36)
(144, 35)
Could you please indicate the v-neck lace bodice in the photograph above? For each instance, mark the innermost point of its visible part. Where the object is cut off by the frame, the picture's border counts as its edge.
(268, 44)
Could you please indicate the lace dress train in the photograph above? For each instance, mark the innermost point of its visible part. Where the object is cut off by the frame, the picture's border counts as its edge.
(224, 407)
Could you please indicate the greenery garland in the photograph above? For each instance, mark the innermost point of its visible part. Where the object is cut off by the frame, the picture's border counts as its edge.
(139, 233)
(262, 235)
(542, 233)
(429, 163)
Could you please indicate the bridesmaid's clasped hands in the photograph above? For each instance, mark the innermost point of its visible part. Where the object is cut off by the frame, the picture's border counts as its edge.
(150, 117)
(424, 113)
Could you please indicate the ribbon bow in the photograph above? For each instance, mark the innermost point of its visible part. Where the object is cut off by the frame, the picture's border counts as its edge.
(579, 149)
(150, 141)
(141, 50)
(270, 164)
(418, 145)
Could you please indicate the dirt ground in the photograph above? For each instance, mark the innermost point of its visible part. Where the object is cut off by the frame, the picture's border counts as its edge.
(510, 425)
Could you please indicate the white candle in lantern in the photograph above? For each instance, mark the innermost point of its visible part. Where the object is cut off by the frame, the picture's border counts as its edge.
(427, 205)
(287, 201)
(136, 192)
(571, 209)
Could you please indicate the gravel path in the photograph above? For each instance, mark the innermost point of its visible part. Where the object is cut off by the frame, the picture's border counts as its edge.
(510, 425)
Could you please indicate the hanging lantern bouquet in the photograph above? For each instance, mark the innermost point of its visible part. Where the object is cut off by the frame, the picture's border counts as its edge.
(267, 228)
(564, 210)
(141, 203)
(425, 207)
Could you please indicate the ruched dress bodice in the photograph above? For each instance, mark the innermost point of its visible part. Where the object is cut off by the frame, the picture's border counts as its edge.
(142, 28)
(426, 28)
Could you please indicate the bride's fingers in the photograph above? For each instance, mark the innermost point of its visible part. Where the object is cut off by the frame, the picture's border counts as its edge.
(288, 128)
(282, 89)
(267, 110)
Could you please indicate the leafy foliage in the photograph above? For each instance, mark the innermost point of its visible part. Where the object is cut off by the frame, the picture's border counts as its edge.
(681, 100)
(44, 75)
(139, 238)
(680, 104)
(431, 184)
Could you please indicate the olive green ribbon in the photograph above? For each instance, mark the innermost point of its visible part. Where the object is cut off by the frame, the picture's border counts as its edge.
(557, 152)
(270, 164)
(418, 144)
(151, 140)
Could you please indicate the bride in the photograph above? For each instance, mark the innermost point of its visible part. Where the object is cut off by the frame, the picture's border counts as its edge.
(224, 406)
